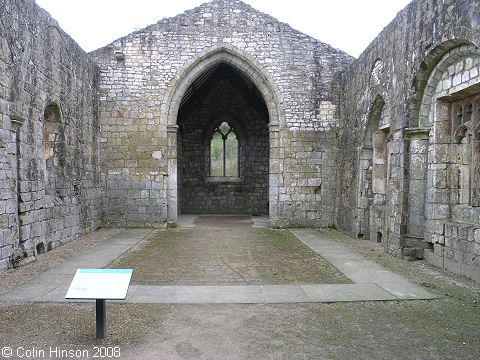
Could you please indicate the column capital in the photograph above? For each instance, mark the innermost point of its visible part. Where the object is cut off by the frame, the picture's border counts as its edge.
(16, 122)
(172, 128)
(274, 127)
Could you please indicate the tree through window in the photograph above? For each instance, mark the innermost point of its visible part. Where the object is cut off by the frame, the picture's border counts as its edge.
(224, 151)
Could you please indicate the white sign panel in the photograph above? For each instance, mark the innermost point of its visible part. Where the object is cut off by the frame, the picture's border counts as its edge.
(108, 284)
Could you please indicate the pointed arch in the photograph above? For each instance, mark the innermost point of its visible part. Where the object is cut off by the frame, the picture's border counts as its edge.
(248, 68)
(241, 62)
(231, 119)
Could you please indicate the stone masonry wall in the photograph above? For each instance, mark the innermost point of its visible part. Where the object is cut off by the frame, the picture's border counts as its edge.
(396, 67)
(385, 147)
(453, 169)
(49, 135)
(139, 71)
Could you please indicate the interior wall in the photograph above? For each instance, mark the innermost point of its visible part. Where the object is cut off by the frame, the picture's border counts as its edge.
(405, 64)
(49, 135)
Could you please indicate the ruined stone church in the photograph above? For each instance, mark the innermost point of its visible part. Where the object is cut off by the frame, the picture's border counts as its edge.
(384, 147)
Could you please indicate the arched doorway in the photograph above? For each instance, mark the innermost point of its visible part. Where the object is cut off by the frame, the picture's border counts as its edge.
(223, 86)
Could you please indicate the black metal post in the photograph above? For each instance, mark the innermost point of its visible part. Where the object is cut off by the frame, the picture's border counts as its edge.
(101, 317)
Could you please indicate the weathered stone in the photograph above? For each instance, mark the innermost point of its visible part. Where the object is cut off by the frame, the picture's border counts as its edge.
(384, 147)
(51, 152)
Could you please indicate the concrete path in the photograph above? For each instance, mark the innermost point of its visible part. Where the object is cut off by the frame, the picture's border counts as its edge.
(361, 271)
(53, 284)
(370, 280)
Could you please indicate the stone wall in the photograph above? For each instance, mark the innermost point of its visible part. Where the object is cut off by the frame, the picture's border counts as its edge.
(49, 135)
(145, 75)
(452, 113)
(385, 147)
(400, 67)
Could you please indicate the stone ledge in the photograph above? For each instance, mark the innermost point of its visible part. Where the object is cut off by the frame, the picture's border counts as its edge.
(224, 180)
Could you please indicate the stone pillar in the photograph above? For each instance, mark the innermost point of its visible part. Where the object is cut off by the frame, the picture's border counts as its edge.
(364, 191)
(172, 196)
(379, 221)
(437, 202)
(275, 173)
(395, 192)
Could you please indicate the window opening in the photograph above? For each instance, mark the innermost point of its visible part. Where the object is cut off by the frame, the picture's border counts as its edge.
(459, 118)
(469, 113)
(224, 151)
(465, 122)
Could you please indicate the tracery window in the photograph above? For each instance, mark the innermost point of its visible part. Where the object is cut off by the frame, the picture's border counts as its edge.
(465, 119)
(224, 151)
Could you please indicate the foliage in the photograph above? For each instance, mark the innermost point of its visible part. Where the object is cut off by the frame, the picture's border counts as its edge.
(231, 152)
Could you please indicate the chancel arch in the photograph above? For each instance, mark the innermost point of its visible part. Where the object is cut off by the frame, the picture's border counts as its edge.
(223, 82)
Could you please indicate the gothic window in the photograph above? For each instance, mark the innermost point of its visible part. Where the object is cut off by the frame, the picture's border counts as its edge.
(224, 151)
(458, 116)
(465, 122)
(469, 113)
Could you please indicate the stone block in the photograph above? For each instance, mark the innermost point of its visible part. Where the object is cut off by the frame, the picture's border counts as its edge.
(438, 250)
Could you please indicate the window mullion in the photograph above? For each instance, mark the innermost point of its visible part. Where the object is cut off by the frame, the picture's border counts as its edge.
(224, 156)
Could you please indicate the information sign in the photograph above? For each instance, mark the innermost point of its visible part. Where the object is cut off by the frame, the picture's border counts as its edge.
(100, 285)
(108, 284)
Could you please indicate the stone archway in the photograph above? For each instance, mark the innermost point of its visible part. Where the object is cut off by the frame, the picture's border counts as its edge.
(441, 165)
(259, 78)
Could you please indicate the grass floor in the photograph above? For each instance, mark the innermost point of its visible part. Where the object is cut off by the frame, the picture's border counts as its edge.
(226, 257)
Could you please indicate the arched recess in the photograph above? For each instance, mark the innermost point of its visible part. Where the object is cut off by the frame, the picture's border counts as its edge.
(53, 147)
(55, 182)
(372, 174)
(424, 132)
(447, 104)
(251, 70)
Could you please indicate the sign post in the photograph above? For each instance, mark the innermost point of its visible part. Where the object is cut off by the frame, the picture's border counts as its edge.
(101, 316)
(100, 285)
